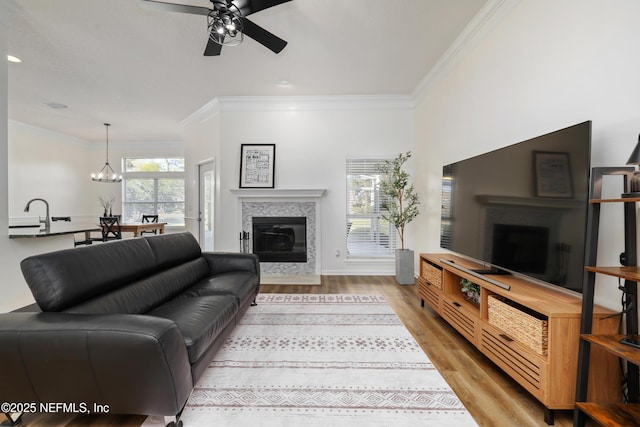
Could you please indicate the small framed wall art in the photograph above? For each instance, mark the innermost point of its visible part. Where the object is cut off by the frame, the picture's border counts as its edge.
(553, 174)
(257, 165)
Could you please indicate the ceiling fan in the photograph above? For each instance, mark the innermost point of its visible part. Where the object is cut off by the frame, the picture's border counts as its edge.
(227, 23)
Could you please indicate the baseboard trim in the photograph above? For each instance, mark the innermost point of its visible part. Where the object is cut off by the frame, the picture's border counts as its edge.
(277, 279)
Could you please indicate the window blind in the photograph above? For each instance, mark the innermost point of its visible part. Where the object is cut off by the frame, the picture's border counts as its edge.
(448, 209)
(367, 233)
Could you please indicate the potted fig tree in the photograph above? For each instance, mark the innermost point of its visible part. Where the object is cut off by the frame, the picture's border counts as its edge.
(400, 208)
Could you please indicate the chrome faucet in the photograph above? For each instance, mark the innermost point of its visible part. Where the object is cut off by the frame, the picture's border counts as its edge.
(47, 220)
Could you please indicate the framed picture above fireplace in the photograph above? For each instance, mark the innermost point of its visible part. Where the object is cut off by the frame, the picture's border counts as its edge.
(257, 165)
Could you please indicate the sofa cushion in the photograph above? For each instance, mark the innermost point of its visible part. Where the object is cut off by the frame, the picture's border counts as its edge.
(143, 295)
(173, 249)
(61, 279)
(241, 284)
(200, 319)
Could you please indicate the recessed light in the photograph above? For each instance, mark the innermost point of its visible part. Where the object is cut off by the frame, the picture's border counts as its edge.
(284, 83)
(12, 58)
(55, 105)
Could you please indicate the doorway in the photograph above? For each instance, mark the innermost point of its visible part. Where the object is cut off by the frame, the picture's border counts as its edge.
(206, 204)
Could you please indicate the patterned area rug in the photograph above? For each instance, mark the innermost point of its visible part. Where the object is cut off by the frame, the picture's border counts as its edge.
(322, 360)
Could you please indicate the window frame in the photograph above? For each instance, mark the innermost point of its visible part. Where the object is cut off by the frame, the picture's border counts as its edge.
(379, 240)
(156, 176)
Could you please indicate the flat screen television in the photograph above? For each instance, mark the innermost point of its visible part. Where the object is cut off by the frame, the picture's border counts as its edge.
(523, 208)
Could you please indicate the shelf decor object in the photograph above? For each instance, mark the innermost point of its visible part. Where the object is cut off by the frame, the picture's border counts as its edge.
(257, 165)
(471, 289)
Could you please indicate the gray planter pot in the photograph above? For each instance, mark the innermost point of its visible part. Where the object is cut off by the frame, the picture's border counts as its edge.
(404, 267)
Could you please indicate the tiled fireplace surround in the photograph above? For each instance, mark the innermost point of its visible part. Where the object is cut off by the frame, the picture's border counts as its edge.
(271, 202)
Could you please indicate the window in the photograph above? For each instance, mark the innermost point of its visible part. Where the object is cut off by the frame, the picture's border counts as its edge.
(448, 207)
(154, 187)
(368, 234)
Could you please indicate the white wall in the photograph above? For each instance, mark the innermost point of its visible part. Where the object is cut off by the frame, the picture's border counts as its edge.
(201, 144)
(49, 165)
(546, 65)
(313, 140)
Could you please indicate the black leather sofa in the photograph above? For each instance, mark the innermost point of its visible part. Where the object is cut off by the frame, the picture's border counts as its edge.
(131, 324)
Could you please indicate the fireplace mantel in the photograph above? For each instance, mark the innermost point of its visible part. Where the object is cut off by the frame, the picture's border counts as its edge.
(290, 202)
(256, 193)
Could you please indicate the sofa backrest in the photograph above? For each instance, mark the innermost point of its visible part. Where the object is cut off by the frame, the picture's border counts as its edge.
(70, 277)
(142, 296)
(173, 249)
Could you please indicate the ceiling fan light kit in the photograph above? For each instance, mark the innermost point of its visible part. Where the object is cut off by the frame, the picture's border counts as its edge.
(225, 26)
(227, 23)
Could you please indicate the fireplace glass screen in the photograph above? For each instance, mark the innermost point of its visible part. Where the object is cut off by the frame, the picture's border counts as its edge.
(280, 239)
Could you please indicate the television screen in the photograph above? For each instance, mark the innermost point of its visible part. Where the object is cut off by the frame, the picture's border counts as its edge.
(523, 208)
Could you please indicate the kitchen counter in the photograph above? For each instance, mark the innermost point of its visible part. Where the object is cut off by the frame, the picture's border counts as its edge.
(56, 229)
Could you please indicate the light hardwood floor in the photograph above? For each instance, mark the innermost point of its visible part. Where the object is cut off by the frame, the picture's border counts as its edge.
(492, 398)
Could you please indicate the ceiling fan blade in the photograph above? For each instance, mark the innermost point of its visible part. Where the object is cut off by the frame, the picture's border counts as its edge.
(262, 36)
(172, 7)
(212, 49)
(247, 7)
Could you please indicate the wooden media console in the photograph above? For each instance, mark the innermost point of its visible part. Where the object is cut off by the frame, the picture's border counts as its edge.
(531, 331)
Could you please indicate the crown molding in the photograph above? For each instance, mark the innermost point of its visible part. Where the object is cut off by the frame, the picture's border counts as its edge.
(202, 114)
(61, 138)
(297, 103)
(310, 103)
(491, 13)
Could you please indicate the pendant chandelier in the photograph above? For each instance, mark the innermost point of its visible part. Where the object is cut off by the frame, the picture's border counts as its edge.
(106, 174)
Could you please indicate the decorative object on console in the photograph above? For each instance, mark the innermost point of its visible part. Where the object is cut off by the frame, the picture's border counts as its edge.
(471, 289)
(634, 184)
(257, 165)
(227, 23)
(401, 208)
(106, 174)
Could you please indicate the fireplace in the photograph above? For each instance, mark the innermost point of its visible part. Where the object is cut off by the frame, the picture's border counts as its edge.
(280, 238)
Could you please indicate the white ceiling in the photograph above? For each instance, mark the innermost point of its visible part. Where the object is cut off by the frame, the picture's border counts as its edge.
(144, 72)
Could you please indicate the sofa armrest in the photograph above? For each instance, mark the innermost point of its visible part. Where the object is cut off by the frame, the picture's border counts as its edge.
(223, 262)
(133, 363)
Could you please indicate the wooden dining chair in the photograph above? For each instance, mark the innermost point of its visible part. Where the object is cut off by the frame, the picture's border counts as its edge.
(110, 228)
(149, 218)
